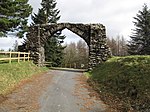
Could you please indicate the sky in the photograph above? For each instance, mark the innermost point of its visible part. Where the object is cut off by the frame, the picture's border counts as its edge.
(115, 15)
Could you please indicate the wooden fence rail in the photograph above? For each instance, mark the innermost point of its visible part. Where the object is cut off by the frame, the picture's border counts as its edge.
(19, 56)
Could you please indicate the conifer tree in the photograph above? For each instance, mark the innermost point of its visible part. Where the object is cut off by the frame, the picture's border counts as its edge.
(140, 39)
(46, 15)
(13, 16)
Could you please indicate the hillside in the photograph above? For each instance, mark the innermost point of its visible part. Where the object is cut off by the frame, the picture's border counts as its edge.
(127, 78)
(12, 74)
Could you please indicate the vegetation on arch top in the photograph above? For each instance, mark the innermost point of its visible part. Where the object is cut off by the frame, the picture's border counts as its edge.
(67, 24)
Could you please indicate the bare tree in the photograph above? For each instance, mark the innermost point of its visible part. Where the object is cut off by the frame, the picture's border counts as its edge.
(118, 46)
(69, 54)
(82, 52)
(76, 55)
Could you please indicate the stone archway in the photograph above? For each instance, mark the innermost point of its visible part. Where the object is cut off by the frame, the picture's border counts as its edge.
(93, 34)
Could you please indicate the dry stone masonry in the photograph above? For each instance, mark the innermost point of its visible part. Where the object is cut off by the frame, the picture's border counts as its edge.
(93, 34)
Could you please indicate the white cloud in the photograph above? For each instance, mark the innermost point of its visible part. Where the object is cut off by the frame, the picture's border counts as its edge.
(116, 15)
(6, 43)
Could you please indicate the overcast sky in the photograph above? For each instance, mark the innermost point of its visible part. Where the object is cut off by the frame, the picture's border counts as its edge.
(115, 15)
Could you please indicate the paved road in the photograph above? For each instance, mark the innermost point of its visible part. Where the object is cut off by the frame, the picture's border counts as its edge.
(55, 91)
(65, 94)
(59, 95)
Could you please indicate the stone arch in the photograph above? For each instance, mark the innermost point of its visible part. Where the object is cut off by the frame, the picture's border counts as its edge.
(93, 34)
(79, 29)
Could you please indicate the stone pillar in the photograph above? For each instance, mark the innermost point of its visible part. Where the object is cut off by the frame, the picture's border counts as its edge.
(32, 44)
(40, 48)
(98, 50)
(41, 56)
(35, 46)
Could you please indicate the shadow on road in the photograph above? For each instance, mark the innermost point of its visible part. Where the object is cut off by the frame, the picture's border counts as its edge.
(69, 69)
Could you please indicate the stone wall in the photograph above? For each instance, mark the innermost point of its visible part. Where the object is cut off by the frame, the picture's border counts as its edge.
(93, 34)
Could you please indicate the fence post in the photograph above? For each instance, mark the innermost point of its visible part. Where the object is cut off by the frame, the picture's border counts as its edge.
(18, 57)
(10, 57)
(24, 56)
(28, 56)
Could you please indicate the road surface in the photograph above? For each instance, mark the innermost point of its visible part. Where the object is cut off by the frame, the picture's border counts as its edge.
(55, 91)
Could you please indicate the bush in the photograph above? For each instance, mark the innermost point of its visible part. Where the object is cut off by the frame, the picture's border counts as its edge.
(128, 78)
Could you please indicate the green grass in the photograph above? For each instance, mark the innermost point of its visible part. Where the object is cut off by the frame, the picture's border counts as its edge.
(87, 74)
(7, 56)
(126, 77)
(12, 74)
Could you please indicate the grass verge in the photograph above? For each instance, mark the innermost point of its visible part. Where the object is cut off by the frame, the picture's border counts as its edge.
(12, 74)
(128, 78)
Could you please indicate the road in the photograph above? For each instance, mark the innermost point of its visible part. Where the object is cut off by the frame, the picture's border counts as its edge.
(67, 91)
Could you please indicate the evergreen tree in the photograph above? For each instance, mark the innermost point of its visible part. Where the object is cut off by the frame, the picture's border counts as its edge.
(13, 16)
(52, 14)
(54, 51)
(46, 15)
(39, 18)
(140, 39)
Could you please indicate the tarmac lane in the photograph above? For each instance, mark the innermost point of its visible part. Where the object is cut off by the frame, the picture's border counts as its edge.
(66, 93)
(54, 91)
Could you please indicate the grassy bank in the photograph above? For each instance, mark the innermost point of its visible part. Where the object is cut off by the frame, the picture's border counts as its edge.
(128, 78)
(12, 74)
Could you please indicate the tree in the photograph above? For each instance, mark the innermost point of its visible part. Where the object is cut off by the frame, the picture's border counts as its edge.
(1, 49)
(70, 54)
(52, 14)
(123, 47)
(46, 15)
(13, 16)
(118, 46)
(76, 55)
(112, 43)
(15, 46)
(53, 52)
(140, 38)
(82, 53)
(39, 18)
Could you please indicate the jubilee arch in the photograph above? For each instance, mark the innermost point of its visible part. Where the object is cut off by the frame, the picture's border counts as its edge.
(93, 34)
